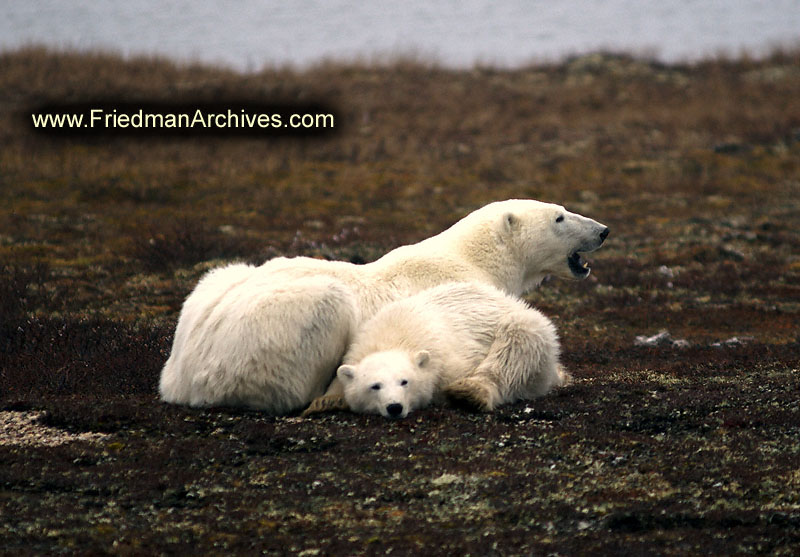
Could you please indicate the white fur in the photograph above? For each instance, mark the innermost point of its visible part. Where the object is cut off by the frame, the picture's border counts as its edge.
(391, 382)
(467, 341)
(270, 337)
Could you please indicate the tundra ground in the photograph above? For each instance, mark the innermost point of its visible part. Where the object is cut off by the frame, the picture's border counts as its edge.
(658, 446)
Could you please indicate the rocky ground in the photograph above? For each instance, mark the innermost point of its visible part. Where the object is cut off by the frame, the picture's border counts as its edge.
(680, 434)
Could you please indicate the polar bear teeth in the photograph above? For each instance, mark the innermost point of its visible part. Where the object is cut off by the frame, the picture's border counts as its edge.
(577, 264)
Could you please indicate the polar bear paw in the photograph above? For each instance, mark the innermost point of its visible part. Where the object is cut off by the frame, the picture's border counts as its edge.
(325, 403)
(472, 394)
(564, 377)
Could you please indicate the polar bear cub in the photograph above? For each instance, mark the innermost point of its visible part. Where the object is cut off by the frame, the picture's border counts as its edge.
(466, 342)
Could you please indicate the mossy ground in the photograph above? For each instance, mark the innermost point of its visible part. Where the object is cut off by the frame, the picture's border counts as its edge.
(661, 449)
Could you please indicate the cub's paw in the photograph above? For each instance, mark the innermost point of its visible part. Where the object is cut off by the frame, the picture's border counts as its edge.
(325, 404)
(565, 377)
(470, 394)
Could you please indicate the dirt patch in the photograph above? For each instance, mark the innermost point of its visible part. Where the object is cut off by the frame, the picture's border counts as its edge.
(666, 447)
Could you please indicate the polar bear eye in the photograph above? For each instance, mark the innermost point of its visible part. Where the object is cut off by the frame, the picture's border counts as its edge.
(404, 382)
(560, 218)
(376, 387)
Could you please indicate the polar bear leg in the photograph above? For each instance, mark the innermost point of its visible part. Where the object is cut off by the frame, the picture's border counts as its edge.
(271, 349)
(332, 401)
(175, 384)
(472, 392)
(300, 347)
(522, 363)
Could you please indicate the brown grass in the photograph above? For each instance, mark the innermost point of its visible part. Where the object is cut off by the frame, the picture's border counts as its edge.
(696, 169)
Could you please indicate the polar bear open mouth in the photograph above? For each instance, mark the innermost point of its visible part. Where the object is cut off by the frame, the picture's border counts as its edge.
(577, 265)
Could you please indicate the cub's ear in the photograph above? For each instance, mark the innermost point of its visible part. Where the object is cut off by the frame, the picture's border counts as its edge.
(422, 358)
(346, 372)
(510, 221)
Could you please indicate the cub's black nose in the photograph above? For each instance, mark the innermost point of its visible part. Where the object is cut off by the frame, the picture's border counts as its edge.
(395, 409)
(604, 234)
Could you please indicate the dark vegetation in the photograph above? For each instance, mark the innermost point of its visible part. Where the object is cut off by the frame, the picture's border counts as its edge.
(654, 449)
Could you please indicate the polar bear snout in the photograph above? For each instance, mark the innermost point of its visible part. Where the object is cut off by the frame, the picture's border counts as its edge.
(597, 234)
(598, 239)
(395, 410)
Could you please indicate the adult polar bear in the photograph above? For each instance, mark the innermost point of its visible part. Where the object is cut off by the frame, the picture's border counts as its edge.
(271, 337)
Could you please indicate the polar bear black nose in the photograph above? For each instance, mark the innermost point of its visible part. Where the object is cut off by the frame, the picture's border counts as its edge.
(604, 234)
(394, 409)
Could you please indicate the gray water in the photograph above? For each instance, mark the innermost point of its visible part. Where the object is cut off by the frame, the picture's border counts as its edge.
(249, 34)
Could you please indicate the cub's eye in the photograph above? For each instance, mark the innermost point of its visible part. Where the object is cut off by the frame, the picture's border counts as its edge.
(560, 218)
(376, 387)
(404, 382)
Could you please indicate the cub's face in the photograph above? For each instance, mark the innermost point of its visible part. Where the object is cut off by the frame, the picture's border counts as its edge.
(391, 383)
(551, 239)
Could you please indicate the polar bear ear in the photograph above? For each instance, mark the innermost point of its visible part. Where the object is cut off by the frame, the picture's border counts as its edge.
(510, 221)
(346, 372)
(422, 358)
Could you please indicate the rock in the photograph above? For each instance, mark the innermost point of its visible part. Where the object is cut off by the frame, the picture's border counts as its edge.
(732, 342)
(663, 338)
(731, 253)
(732, 148)
(665, 271)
